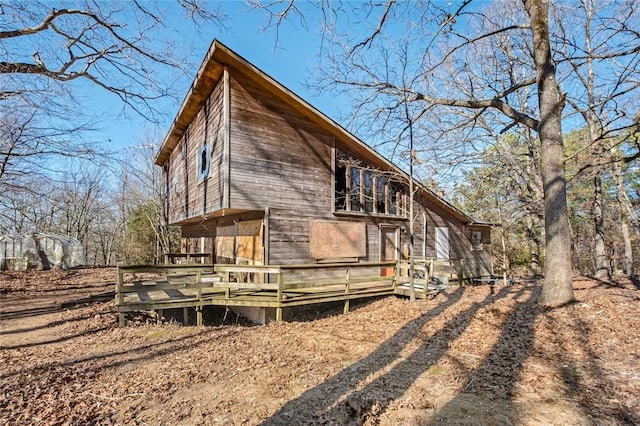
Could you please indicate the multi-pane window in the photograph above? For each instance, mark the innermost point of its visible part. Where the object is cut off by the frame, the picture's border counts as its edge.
(367, 190)
(341, 187)
(381, 195)
(363, 189)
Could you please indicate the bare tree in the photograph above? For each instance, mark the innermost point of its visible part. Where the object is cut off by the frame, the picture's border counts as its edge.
(488, 61)
(606, 72)
(143, 237)
(115, 46)
(50, 56)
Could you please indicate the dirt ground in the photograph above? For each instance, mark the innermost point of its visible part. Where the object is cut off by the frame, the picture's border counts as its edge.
(469, 355)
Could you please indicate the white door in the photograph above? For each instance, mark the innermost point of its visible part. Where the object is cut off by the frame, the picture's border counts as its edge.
(442, 242)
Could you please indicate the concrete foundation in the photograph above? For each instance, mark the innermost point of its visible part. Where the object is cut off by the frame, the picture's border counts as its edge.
(252, 313)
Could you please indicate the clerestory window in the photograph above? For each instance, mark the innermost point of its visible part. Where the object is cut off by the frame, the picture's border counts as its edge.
(363, 189)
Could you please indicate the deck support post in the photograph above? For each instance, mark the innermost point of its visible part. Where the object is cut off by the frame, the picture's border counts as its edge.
(159, 317)
(185, 316)
(121, 320)
(199, 315)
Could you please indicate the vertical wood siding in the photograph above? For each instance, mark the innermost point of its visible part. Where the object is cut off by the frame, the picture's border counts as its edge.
(279, 160)
(189, 196)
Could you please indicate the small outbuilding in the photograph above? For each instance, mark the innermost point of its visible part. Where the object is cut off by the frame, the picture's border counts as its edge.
(40, 250)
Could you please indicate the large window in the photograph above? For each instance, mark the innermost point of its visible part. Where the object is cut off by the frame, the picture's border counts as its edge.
(363, 189)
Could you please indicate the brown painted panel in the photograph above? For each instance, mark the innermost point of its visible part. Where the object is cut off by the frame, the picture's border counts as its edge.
(335, 240)
(240, 242)
(388, 248)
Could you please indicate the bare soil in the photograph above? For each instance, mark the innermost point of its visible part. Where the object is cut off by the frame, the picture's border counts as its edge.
(469, 355)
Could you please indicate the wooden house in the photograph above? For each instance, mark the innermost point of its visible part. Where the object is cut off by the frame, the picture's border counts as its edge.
(253, 174)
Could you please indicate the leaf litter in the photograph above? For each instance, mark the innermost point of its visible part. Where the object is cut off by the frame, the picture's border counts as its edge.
(467, 355)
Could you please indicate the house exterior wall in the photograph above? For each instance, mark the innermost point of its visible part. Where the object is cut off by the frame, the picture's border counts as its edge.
(281, 167)
(279, 162)
(187, 195)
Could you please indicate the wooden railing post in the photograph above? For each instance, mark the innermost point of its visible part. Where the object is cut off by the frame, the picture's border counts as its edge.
(347, 286)
(396, 272)
(425, 284)
(227, 290)
(120, 297)
(431, 268)
(279, 297)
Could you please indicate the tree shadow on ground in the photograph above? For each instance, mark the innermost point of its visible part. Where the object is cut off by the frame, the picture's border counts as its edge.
(588, 379)
(46, 325)
(393, 373)
(498, 374)
(53, 307)
(96, 363)
(635, 280)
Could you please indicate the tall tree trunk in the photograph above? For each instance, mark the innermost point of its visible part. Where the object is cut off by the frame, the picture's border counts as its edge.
(624, 215)
(595, 143)
(558, 285)
(597, 208)
(628, 251)
(534, 244)
(412, 221)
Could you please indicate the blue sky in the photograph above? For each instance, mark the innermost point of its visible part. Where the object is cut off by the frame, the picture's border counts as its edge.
(290, 62)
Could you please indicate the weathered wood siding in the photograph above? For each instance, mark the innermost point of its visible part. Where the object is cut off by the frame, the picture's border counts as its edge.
(476, 262)
(187, 195)
(278, 160)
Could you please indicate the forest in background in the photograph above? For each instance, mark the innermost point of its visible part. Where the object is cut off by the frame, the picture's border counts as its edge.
(505, 195)
(53, 178)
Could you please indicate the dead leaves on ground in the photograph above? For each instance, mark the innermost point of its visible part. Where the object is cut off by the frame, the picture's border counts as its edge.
(476, 354)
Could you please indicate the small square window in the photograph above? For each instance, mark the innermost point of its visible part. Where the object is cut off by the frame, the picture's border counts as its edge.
(176, 184)
(476, 240)
(204, 162)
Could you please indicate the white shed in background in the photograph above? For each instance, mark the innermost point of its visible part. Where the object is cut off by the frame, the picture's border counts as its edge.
(40, 251)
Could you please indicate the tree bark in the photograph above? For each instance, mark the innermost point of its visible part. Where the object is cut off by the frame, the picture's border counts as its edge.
(534, 244)
(602, 260)
(624, 216)
(558, 285)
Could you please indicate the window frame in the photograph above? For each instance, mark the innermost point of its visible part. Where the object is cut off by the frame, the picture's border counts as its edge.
(204, 152)
(356, 200)
(479, 245)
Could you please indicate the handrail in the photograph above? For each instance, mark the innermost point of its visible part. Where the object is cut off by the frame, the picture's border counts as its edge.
(259, 278)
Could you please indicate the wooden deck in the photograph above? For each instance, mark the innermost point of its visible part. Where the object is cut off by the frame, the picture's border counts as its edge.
(155, 288)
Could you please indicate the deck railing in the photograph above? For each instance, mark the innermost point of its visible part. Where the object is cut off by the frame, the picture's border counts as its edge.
(274, 286)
